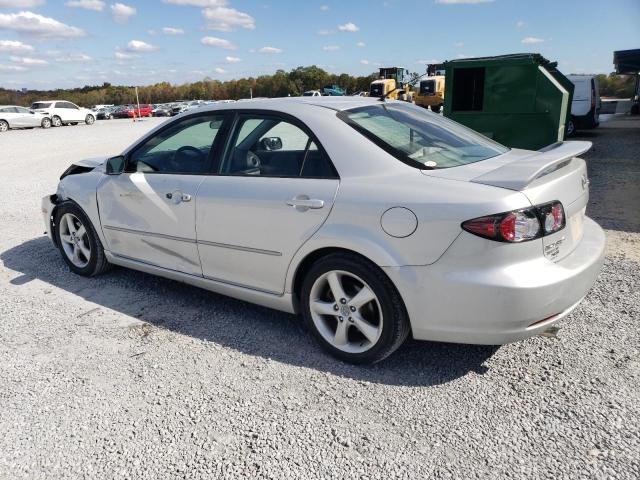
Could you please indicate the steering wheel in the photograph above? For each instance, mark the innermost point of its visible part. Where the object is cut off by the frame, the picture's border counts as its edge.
(188, 153)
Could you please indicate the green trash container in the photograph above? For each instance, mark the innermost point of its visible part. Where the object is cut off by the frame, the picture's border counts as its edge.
(519, 100)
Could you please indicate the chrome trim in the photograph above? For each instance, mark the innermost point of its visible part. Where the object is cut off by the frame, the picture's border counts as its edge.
(243, 249)
(200, 242)
(150, 234)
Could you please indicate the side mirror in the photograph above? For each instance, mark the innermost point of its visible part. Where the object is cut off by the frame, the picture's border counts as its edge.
(115, 165)
(271, 143)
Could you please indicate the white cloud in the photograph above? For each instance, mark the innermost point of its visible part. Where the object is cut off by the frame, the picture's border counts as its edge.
(96, 5)
(172, 31)
(12, 68)
(197, 3)
(348, 27)
(14, 46)
(364, 62)
(28, 61)
(361, 44)
(270, 50)
(125, 56)
(140, 46)
(532, 40)
(520, 24)
(232, 59)
(30, 23)
(459, 2)
(325, 32)
(68, 57)
(219, 70)
(226, 19)
(331, 48)
(122, 13)
(20, 3)
(218, 42)
(324, 8)
(458, 44)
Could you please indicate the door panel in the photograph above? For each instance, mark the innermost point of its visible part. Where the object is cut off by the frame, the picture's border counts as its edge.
(247, 233)
(140, 221)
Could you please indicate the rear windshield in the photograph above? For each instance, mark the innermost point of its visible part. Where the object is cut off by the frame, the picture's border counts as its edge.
(39, 105)
(420, 138)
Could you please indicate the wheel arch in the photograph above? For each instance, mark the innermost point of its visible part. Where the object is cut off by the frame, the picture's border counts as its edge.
(305, 262)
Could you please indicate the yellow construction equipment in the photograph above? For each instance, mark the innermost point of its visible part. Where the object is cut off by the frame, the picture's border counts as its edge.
(431, 93)
(391, 85)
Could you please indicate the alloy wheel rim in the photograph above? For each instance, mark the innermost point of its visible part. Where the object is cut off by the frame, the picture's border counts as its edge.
(346, 311)
(4, 127)
(74, 240)
(57, 122)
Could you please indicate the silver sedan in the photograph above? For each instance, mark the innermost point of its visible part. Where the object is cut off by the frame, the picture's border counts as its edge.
(14, 116)
(375, 220)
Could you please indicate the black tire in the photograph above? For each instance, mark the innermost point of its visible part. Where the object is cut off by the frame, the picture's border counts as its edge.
(4, 126)
(97, 263)
(73, 123)
(395, 325)
(89, 119)
(436, 108)
(46, 123)
(56, 121)
(571, 128)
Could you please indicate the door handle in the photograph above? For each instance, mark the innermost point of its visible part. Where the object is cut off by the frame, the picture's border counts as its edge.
(302, 203)
(177, 197)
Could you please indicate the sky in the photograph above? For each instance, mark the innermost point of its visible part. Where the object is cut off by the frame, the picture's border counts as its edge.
(71, 43)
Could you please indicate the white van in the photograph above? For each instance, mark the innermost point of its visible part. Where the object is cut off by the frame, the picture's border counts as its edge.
(585, 108)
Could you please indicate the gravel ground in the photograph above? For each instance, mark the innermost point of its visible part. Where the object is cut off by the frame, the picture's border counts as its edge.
(132, 376)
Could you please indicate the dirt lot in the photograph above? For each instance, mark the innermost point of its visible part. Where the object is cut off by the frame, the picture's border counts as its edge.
(132, 376)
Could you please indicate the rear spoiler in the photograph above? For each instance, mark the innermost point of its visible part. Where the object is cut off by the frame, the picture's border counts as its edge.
(518, 174)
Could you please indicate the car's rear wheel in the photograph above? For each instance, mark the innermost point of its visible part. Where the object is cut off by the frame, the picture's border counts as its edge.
(78, 241)
(89, 119)
(571, 128)
(4, 125)
(56, 121)
(353, 309)
(46, 123)
(436, 108)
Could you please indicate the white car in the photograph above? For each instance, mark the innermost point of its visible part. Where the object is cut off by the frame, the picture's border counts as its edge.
(374, 219)
(62, 112)
(585, 106)
(14, 116)
(312, 93)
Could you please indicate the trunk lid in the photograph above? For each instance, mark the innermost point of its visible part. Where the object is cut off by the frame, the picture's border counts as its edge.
(553, 173)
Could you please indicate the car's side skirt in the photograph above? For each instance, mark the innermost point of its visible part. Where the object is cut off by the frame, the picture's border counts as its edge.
(283, 302)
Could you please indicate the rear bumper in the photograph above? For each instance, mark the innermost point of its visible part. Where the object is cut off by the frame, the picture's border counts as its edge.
(490, 299)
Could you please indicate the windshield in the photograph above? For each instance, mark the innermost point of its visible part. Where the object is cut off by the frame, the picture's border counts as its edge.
(420, 138)
(39, 105)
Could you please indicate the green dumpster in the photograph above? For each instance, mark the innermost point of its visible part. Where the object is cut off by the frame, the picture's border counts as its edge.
(519, 100)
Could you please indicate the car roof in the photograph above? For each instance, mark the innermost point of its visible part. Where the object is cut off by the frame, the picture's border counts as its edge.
(285, 103)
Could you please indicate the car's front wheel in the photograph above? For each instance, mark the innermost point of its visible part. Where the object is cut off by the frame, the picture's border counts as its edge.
(78, 241)
(46, 123)
(436, 108)
(571, 128)
(89, 119)
(353, 309)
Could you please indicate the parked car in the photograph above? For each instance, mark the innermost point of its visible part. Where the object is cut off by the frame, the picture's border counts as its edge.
(14, 116)
(464, 239)
(178, 108)
(312, 93)
(585, 107)
(95, 108)
(105, 113)
(161, 111)
(62, 112)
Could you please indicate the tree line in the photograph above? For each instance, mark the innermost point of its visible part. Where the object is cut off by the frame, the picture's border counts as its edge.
(280, 84)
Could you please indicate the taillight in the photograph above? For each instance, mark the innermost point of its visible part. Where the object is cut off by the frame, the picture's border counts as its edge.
(519, 225)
